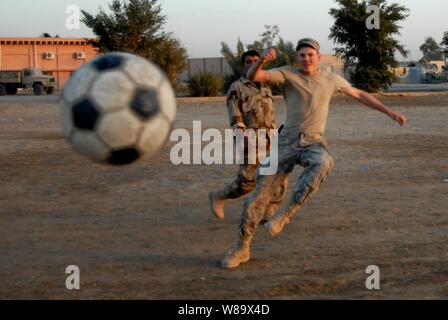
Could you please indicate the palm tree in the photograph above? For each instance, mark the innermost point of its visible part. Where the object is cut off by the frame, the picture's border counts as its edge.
(234, 61)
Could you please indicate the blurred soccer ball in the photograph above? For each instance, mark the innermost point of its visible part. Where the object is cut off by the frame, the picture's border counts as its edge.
(117, 108)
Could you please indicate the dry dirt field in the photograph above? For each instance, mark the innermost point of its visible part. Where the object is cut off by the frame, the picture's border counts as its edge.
(145, 231)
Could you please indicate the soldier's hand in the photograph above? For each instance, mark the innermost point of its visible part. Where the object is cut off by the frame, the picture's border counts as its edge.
(239, 126)
(400, 118)
(238, 130)
(269, 55)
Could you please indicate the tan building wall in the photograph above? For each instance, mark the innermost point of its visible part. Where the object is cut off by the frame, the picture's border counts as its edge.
(332, 63)
(55, 56)
(439, 63)
(219, 66)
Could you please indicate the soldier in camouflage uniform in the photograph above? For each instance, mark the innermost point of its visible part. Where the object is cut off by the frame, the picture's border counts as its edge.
(250, 106)
(307, 92)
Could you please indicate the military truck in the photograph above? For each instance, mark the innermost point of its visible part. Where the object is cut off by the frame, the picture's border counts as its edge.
(33, 78)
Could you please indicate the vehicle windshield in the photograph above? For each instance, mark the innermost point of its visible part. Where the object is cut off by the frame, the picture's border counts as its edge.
(36, 72)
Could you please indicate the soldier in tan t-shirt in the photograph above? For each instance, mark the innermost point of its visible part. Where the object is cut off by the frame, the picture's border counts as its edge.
(307, 92)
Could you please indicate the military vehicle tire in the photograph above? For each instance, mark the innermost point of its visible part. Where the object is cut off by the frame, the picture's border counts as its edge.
(11, 90)
(38, 89)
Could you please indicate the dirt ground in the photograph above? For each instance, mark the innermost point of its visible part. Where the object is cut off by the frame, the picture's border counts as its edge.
(146, 231)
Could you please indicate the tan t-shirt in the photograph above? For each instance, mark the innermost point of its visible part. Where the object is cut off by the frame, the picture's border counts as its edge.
(307, 98)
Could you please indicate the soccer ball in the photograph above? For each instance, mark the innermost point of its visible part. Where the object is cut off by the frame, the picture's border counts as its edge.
(117, 108)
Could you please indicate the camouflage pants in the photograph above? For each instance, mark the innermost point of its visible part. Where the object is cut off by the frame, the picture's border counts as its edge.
(294, 148)
(245, 182)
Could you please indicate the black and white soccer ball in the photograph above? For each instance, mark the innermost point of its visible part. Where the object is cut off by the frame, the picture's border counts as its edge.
(117, 108)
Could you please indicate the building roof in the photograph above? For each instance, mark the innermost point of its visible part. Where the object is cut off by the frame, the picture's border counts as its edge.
(60, 41)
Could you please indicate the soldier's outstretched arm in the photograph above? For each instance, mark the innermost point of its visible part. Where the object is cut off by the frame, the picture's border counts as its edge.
(372, 102)
(256, 72)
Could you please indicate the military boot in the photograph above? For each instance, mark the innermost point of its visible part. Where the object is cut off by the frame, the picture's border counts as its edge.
(240, 255)
(217, 204)
(276, 225)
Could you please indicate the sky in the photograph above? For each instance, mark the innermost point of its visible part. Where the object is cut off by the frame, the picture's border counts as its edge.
(201, 25)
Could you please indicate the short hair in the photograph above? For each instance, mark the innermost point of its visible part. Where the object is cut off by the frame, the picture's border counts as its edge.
(250, 53)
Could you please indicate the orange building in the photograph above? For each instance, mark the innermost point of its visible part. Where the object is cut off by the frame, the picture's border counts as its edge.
(58, 57)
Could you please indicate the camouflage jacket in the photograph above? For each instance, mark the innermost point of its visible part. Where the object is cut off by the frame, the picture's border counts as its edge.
(250, 105)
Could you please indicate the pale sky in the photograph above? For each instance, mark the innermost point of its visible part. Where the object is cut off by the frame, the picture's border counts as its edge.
(201, 25)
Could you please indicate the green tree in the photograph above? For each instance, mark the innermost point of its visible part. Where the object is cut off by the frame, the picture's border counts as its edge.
(444, 45)
(205, 85)
(370, 52)
(267, 38)
(234, 61)
(136, 26)
(47, 35)
(444, 42)
(286, 53)
(431, 50)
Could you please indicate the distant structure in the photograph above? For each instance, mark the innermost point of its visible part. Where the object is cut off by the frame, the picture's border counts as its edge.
(61, 57)
(440, 64)
(332, 63)
(415, 72)
(195, 66)
(58, 57)
(219, 66)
